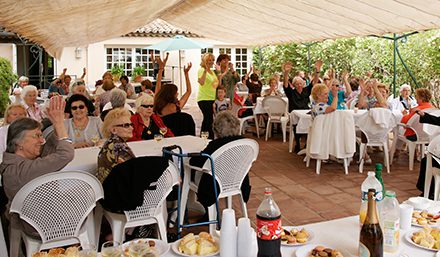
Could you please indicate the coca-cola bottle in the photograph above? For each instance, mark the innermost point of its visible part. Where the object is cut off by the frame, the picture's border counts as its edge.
(268, 227)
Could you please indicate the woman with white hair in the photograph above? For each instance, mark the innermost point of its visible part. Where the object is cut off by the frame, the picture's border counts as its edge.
(33, 109)
(22, 82)
(145, 123)
(404, 101)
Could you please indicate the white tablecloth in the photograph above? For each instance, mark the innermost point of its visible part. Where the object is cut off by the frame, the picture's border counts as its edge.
(344, 234)
(259, 105)
(303, 120)
(86, 158)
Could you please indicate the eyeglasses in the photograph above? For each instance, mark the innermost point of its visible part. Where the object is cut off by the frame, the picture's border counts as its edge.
(74, 108)
(37, 136)
(147, 105)
(125, 125)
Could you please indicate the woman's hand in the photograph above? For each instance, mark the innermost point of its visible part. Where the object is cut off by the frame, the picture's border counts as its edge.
(55, 113)
(287, 67)
(187, 67)
(318, 65)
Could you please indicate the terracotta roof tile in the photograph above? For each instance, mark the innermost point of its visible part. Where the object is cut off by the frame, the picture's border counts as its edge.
(160, 28)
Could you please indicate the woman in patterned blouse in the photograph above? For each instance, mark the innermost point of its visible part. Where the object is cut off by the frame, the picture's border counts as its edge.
(117, 128)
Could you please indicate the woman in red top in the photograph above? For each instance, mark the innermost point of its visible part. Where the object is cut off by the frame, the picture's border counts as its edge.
(145, 123)
(423, 96)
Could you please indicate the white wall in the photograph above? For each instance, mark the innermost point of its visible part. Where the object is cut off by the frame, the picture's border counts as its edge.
(93, 57)
(9, 51)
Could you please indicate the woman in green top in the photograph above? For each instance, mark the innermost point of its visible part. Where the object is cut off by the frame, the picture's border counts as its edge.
(208, 82)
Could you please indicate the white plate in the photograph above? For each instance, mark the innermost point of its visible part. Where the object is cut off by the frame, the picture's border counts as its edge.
(408, 238)
(161, 246)
(175, 247)
(311, 235)
(304, 251)
(421, 226)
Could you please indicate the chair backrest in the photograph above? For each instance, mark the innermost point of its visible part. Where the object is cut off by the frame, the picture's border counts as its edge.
(430, 129)
(153, 199)
(376, 133)
(232, 162)
(57, 204)
(275, 106)
(415, 125)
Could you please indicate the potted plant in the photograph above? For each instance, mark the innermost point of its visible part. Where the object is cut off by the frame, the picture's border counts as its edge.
(117, 71)
(7, 77)
(138, 72)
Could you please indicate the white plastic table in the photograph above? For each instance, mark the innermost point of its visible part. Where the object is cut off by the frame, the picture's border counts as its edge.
(86, 159)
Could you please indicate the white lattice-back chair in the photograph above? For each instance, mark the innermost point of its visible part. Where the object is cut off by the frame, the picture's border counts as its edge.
(276, 109)
(422, 137)
(59, 206)
(376, 134)
(232, 163)
(152, 210)
(236, 108)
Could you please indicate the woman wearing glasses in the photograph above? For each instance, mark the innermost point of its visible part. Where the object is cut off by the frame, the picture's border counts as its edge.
(146, 124)
(117, 128)
(83, 130)
(29, 156)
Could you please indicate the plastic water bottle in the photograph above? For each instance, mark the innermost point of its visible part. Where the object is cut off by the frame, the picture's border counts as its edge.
(370, 182)
(390, 222)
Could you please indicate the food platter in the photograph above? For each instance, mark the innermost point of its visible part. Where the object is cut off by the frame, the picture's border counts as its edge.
(305, 250)
(175, 248)
(409, 236)
(294, 231)
(161, 246)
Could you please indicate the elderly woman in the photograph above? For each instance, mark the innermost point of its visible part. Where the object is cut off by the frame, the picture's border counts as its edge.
(127, 87)
(226, 129)
(29, 156)
(13, 112)
(83, 130)
(273, 89)
(117, 128)
(145, 123)
(79, 88)
(423, 96)
(22, 82)
(404, 102)
(208, 83)
(117, 100)
(372, 94)
(103, 98)
(320, 95)
(33, 109)
(146, 87)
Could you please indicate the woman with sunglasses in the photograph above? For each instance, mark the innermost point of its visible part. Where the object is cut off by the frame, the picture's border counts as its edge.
(145, 123)
(117, 128)
(83, 130)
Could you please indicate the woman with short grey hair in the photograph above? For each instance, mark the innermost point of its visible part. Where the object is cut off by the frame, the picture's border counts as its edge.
(29, 156)
(226, 129)
(117, 100)
(33, 109)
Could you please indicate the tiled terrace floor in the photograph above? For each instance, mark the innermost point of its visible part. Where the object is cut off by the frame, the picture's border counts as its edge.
(305, 197)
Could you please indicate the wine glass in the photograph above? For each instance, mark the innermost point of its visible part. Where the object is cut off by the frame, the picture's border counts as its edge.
(163, 130)
(204, 135)
(111, 249)
(95, 140)
(158, 138)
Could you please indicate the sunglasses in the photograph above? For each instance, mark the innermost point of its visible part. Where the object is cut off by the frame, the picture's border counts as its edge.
(74, 108)
(147, 105)
(125, 125)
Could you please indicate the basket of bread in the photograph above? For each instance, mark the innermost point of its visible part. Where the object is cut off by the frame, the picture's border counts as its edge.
(422, 218)
(201, 245)
(295, 236)
(59, 252)
(427, 238)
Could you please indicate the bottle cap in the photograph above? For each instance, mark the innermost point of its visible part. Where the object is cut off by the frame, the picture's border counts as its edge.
(268, 191)
(371, 190)
(389, 193)
(371, 173)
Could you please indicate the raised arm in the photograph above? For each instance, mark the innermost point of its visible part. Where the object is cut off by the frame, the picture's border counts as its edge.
(202, 78)
(61, 77)
(84, 74)
(286, 67)
(159, 75)
(361, 97)
(185, 96)
(348, 89)
(318, 65)
(380, 99)
(334, 104)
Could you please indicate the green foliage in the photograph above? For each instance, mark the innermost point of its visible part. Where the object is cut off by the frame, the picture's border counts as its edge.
(117, 70)
(421, 53)
(7, 77)
(138, 71)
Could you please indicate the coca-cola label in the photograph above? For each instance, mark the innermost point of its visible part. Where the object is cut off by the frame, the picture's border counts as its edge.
(269, 229)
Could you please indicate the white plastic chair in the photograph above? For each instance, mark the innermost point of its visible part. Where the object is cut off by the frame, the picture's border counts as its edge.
(276, 109)
(232, 163)
(422, 137)
(376, 135)
(153, 209)
(59, 207)
(236, 108)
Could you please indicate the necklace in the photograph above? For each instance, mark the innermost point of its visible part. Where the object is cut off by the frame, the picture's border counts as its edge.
(79, 130)
(148, 128)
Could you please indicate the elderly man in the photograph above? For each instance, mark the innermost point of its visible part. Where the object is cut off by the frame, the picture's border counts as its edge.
(404, 101)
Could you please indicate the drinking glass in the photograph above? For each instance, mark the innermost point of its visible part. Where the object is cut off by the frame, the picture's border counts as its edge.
(163, 130)
(95, 140)
(204, 135)
(158, 138)
(111, 249)
(87, 250)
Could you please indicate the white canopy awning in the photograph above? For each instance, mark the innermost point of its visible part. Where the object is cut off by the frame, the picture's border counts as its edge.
(55, 24)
